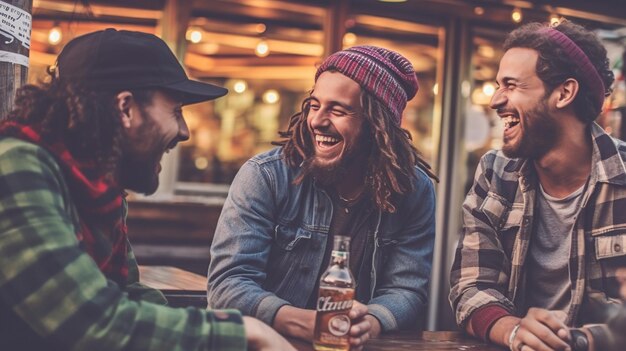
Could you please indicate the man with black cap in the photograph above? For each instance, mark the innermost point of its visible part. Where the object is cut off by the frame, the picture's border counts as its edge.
(68, 277)
(543, 224)
(345, 167)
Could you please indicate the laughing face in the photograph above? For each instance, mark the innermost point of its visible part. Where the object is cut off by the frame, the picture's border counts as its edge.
(336, 126)
(522, 103)
(157, 127)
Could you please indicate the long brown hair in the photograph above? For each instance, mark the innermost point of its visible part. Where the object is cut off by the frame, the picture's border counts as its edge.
(389, 164)
(83, 119)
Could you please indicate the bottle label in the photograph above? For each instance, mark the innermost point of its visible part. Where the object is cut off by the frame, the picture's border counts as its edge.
(339, 254)
(339, 325)
(326, 304)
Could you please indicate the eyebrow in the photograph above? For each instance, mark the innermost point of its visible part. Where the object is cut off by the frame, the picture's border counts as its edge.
(507, 80)
(335, 103)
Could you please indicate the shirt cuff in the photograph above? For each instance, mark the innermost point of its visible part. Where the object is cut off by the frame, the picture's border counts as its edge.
(268, 307)
(385, 317)
(601, 336)
(227, 331)
(484, 318)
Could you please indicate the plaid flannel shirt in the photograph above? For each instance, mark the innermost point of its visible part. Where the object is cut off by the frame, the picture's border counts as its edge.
(497, 225)
(52, 294)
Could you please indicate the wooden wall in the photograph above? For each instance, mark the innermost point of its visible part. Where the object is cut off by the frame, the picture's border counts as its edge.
(171, 233)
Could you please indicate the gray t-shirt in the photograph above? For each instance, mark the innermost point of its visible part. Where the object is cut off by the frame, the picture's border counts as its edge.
(547, 268)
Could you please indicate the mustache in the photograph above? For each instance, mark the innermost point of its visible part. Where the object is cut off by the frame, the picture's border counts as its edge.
(501, 111)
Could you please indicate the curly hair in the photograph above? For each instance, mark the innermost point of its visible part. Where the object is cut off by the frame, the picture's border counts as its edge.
(389, 170)
(553, 67)
(82, 119)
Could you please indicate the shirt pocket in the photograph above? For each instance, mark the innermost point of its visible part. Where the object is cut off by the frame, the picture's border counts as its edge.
(609, 246)
(501, 214)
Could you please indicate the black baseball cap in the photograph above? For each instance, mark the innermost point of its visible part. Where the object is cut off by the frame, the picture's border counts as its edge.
(119, 59)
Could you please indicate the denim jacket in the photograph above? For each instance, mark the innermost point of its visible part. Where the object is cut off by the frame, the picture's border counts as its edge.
(271, 237)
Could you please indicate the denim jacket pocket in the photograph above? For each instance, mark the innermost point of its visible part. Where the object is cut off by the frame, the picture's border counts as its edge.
(293, 261)
(501, 214)
(289, 238)
(384, 245)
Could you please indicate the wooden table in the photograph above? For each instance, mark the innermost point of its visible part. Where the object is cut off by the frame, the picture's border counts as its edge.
(417, 341)
(180, 287)
(183, 288)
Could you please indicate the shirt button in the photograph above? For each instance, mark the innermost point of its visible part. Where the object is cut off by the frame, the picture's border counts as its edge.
(617, 248)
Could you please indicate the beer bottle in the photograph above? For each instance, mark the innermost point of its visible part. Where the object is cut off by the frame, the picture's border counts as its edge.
(332, 324)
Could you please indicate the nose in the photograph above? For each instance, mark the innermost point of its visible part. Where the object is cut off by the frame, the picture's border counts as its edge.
(318, 119)
(498, 99)
(183, 130)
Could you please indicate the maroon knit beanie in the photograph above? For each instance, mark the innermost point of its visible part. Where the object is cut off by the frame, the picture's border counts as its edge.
(577, 56)
(384, 73)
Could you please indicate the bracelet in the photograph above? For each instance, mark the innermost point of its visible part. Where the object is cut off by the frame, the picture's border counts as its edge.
(578, 340)
(512, 336)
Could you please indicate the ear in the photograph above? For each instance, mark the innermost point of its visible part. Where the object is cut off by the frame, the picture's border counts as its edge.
(125, 102)
(567, 92)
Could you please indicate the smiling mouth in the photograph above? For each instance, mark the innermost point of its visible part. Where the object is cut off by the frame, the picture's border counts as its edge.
(326, 141)
(510, 121)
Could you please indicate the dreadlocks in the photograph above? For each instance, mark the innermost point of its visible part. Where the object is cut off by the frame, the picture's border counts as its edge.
(389, 166)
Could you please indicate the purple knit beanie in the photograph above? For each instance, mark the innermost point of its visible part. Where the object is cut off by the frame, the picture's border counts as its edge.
(384, 73)
(577, 56)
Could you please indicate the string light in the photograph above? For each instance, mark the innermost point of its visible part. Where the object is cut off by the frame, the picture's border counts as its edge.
(479, 10)
(240, 86)
(194, 36)
(262, 49)
(516, 15)
(489, 89)
(260, 28)
(55, 35)
(271, 96)
(349, 39)
(554, 20)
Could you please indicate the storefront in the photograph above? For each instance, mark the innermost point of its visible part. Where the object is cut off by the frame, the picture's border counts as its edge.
(265, 53)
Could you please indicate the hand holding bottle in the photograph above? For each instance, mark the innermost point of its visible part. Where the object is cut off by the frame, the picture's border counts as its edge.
(363, 327)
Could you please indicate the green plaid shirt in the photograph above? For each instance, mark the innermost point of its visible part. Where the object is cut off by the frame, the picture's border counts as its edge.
(498, 224)
(52, 294)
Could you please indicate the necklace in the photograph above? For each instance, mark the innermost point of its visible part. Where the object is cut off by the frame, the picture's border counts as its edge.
(348, 203)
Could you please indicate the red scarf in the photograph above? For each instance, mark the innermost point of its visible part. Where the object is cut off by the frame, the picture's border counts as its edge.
(102, 233)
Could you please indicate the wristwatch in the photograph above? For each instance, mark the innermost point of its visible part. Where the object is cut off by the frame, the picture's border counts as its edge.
(578, 340)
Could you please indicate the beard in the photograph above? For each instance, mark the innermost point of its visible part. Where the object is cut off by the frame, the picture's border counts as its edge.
(327, 174)
(141, 155)
(539, 135)
(139, 174)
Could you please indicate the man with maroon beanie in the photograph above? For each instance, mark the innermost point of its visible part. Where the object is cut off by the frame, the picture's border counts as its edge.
(345, 167)
(543, 231)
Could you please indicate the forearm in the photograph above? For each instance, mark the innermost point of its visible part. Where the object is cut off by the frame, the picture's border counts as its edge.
(295, 322)
(501, 330)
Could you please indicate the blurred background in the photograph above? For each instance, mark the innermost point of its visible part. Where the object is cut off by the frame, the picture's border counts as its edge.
(266, 52)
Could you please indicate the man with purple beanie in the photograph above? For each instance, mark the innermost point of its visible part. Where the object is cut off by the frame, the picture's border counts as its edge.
(544, 226)
(344, 167)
